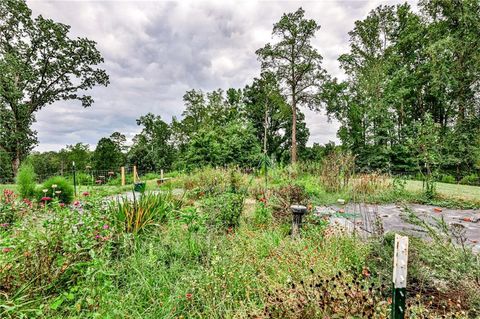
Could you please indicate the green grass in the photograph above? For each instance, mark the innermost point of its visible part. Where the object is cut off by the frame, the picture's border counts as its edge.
(172, 270)
(465, 192)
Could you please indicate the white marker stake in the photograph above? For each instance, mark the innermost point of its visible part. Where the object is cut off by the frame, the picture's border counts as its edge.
(400, 262)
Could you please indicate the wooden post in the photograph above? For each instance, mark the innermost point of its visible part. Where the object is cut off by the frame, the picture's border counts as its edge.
(134, 174)
(400, 261)
(161, 175)
(123, 175)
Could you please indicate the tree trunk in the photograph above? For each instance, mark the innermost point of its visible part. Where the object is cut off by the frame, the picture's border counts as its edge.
(294, 129)
(16, 163)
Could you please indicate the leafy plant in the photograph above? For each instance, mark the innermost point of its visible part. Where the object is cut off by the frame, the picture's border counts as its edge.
(56, 188)
(472, 179)
(135, 215)
(8, 208)
(26, 180)
(224, 210)
(263, 213)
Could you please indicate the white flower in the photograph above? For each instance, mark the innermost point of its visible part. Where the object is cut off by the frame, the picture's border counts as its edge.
(54, 186)
(45, 190)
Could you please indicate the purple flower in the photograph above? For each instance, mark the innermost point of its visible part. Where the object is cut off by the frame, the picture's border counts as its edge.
(105, 226)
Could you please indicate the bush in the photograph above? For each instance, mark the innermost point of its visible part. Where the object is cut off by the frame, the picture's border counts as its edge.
(26, 181)
(224, 210)
(472, 179)
(262, 214)
(56, 188)
(448, 179)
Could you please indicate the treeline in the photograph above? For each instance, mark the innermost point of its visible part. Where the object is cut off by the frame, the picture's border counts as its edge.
(410, 102)
(412, 96)
(217, 128)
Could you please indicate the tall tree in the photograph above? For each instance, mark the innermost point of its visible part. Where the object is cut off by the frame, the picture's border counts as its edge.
(296, 63)
(107, 155)
(39, 64)
(152, 148)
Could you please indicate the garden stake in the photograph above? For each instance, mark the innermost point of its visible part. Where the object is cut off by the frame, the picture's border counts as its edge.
(74, 179)
(297, 211)
(400, 260)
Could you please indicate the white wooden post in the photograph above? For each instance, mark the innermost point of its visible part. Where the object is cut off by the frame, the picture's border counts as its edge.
(161, 175)
(400, 262)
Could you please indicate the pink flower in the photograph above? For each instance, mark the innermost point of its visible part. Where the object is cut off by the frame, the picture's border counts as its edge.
(105, 226)
(46, 198)
(76, 203)
(6, 249)
(86, 194)
(4, 225)
(98, 236)
(189, 296)
(62, 204)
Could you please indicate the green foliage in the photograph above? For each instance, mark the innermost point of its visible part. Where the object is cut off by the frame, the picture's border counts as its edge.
(234, 144)
(224, 210)
(133, 216)
(472, 179)
(296, 64)
(262, 214)
(403, 66)
(152, 149)
(51, 257)
(26, 180)
(107, 155)
(39, 64)
(445, 178)
(56, 187)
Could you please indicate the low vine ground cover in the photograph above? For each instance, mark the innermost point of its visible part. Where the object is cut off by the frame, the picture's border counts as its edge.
(220, 249)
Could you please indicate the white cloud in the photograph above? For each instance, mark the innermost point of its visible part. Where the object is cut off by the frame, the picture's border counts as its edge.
(155, 51)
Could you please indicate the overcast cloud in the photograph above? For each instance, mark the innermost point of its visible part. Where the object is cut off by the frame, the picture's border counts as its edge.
(155, 51)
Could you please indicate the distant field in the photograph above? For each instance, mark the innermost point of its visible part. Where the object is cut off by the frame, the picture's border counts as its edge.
(452, 190)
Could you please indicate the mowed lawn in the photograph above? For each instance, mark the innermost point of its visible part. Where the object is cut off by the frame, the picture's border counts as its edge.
(450, 190)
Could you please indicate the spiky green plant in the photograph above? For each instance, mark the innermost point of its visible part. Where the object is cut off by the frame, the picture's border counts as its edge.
(137, 214)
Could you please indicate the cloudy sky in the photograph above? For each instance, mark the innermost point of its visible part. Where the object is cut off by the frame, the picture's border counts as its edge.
(156, 50)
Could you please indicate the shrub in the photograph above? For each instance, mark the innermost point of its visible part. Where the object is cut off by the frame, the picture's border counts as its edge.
(472, 179)
(224, 210)
(262, 214)
(448, 179)
(56, 188)
(26, 181)
(135, 215)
